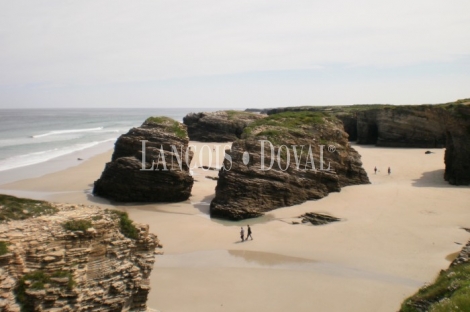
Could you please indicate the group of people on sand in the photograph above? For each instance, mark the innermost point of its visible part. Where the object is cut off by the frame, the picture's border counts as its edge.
(389, 170)
(248, 234)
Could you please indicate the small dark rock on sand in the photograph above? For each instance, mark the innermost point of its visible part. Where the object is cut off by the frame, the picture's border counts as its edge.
(317, 218)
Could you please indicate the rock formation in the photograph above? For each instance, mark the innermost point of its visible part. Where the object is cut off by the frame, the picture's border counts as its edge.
(221, 126)
(165, 158)
(457, 155)
(402, 126)
(245, 190)
(423, 126)
(96, 268)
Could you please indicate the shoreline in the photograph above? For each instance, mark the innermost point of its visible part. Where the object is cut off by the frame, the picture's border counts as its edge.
(53, 165)
(395, 236)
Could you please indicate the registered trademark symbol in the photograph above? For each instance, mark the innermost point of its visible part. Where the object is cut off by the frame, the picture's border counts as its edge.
(331, 148)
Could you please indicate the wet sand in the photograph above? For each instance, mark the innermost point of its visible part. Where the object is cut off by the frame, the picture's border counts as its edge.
(395, 235)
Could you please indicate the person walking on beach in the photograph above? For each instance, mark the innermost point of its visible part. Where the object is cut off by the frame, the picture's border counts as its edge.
(389, 170)
(375, 170)
(242, 234)
(249, 233)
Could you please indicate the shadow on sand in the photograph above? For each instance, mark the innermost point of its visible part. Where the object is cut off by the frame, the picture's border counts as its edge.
(433, 179)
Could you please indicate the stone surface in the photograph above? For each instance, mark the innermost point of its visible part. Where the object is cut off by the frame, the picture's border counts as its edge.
(247, 191)
(415, 126)
(402, 126)
(166, 147)
(110, 271)
(220, 126)
(457, 155)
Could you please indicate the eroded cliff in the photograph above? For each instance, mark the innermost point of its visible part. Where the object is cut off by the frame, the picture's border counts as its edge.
(415, 126)
(80, 259)
(149, 164)
(306, 155)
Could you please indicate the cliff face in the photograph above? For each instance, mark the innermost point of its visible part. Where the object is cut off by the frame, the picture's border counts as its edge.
(425, 126)
(457, 155)
(407, 126)
(48, 268)
(297, 173)
(221, 126)
(166, 162)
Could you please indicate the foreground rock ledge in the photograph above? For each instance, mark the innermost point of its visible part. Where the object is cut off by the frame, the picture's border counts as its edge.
(123, 179)
(99, 269)
(247, 191)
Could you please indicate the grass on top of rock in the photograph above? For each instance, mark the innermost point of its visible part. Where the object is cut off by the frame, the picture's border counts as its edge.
(14, 208)
(450, 292)
(77, 225)
(37, 280)
(126, 226)
(3, 248)
(231, 114)
(172, 125)
(278, 126)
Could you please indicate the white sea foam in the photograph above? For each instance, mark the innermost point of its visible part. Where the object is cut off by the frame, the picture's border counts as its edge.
(66, 131)
(39, 157)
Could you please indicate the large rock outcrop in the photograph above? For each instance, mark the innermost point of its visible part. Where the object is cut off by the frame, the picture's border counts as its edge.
(96, 268)
(402, 126)
(220, 126)
(418, 126)
(245, 190)
(157, 173)
(457, 155)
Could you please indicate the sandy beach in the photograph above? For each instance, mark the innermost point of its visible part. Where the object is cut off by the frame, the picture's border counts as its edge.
(395, 235)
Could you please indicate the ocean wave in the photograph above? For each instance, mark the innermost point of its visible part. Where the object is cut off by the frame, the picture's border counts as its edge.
(39, 157)
(42, 140)
(65, 132)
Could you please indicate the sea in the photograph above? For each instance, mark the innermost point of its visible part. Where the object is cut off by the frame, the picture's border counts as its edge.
(31, 137)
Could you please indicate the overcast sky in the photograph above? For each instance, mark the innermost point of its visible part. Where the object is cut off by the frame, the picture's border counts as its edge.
(232, 54)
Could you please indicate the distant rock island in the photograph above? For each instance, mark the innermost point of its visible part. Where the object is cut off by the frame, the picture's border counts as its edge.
(59, 257)
(157, 173)
(304, 146)
(220, 126)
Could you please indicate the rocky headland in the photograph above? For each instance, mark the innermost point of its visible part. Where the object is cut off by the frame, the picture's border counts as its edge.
(310, 157)
(422, 126)
(60, 257)
(220, 126)
(149, 164)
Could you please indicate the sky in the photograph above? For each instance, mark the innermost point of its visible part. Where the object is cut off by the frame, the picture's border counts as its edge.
(232, 54)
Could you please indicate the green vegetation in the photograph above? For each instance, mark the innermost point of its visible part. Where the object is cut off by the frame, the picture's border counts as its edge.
(36, 281)
(126, 225)
(96, 218)
(3, 248)
(277, 127)
(450, 292)
(171, 125)
(14, 208)
(77, 225)
(351, 109)
(231, 114)
(71, 283)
